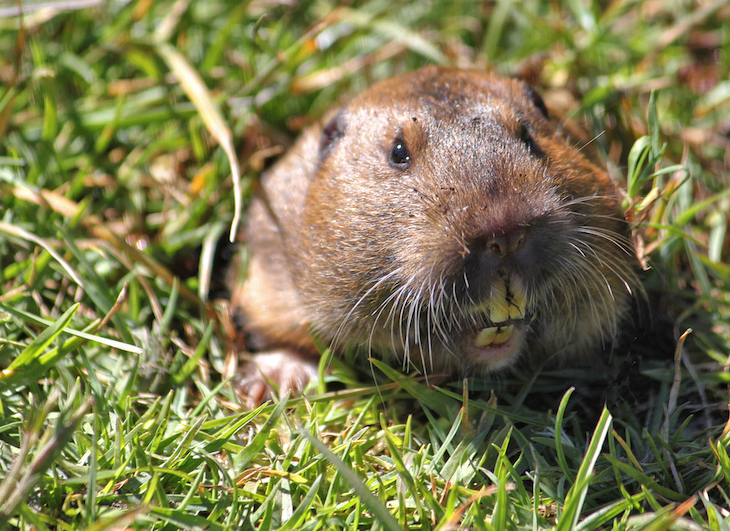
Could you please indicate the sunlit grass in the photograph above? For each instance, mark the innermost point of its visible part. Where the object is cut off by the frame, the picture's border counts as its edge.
(120, 128)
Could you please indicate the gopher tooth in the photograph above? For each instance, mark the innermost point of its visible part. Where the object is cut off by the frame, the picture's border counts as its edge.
(516, 299)
(494, 335)
(503, 334)
(486, 337)
(498, 303)
(507, 300)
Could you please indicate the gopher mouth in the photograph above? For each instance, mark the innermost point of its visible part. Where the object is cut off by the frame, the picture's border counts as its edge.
(497, 343)
(495, 346)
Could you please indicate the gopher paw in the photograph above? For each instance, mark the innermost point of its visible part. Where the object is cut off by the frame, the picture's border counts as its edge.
(278, 370)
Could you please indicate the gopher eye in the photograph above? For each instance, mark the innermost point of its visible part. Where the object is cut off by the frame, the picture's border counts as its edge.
(529, 142)
(537, 100)
(399, 155)
(331, 135)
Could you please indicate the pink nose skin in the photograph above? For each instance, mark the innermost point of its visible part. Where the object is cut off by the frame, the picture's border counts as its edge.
(505, 244)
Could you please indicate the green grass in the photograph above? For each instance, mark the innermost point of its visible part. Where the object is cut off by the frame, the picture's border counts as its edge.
(117, 405)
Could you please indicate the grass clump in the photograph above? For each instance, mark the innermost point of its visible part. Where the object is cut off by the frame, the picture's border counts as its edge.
(120, 127)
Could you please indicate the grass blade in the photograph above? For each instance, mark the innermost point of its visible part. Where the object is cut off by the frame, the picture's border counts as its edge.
(371, 502)
(577, 494)
(198, 93)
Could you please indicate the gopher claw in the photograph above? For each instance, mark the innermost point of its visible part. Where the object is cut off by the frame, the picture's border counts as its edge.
(276, 371)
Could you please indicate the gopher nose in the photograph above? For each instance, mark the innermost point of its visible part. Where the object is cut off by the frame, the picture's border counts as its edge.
(506, 243)
(504, 253)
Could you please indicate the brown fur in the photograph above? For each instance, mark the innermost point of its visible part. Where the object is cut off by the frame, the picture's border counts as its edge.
(352, 243)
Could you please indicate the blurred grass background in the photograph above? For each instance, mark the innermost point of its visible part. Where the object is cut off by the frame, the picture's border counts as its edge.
(121, 124)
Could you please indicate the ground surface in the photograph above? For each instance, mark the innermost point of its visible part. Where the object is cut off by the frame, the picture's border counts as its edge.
(117, 411)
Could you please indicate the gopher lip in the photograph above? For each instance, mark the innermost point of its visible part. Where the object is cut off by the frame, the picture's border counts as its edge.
(494, 346)
(494, 336)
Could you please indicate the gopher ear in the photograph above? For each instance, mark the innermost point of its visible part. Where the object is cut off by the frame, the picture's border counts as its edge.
(537, 100)
(333, 132)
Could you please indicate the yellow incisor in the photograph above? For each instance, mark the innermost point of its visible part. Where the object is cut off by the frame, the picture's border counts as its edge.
(507, 300)
(494, 335)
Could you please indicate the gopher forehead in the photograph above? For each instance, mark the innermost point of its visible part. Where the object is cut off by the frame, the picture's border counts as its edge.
(444, 88)
(439, 96)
